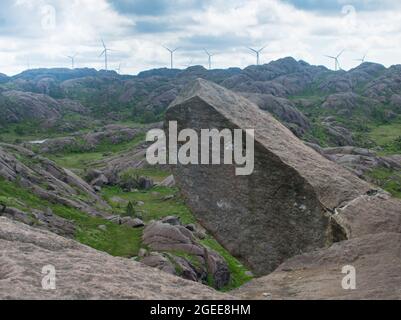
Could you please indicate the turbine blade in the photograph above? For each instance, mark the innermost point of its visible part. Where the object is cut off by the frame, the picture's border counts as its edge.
(252, 49)
(102, 53)
(261, 49)
(340, 54)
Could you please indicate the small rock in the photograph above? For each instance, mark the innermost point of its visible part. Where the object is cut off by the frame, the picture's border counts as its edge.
(48, 212)
(173, 220)
(119, 200)
(132, 222)
(169, 197)
(140, 203)
(267, 296)
(102, 227)
(115, 219)
(159, 261)
(191, 227)
(142, 252)
(168, 182)
(100, 181)
(200, 234)
(145, 183)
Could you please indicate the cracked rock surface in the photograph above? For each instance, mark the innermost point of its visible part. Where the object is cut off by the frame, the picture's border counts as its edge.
(81, 272)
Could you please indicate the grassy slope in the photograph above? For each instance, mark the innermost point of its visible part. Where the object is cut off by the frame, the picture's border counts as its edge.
(116, 240)
(388, 180)
(388, 137)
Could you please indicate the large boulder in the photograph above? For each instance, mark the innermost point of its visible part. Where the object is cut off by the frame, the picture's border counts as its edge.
(81, 272)
(281, 108)
(284, 207)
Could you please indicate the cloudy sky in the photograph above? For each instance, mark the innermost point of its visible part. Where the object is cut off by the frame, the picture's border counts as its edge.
(41, 33)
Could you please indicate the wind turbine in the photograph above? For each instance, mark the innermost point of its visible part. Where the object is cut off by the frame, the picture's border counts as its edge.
(72, 58)
(171, 55)
(189, 64)
(104, 52)
(257, 53)
(336, 61)
(119, 68)
(209, 58)
(362, 60)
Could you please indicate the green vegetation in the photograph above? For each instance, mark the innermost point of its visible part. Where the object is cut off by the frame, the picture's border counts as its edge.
(386, 133)
(76, 158)
(238, 271)
(114, 239)
(154, 207)
(388, 180)
(156, 174)
(388, 137)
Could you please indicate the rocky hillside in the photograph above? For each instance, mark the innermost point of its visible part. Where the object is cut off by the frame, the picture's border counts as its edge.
(321, 106)
(72, 163)
(115, 208)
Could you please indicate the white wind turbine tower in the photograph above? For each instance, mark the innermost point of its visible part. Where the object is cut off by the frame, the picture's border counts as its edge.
(209, 58)
(119, 69)
(104, 52)
(72, 58)
(336, 60)
(257, 53)
(171, 55)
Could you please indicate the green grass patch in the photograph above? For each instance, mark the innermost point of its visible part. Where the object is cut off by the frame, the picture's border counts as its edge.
(156, 174)
(237, 270)
(116, 240)
(76, 159)
(387, 179)
(155, 207)
(385, 134)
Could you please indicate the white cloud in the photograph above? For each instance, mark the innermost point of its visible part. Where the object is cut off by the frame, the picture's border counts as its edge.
(225, 27)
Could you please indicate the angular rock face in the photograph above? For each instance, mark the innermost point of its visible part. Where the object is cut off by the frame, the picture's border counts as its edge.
(81, 272)
(280, 210)
(318, 275)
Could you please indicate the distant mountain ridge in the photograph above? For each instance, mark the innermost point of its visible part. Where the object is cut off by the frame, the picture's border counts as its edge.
(337, 105)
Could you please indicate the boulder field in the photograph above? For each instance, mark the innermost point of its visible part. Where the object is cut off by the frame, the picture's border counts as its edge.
(295, 221)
